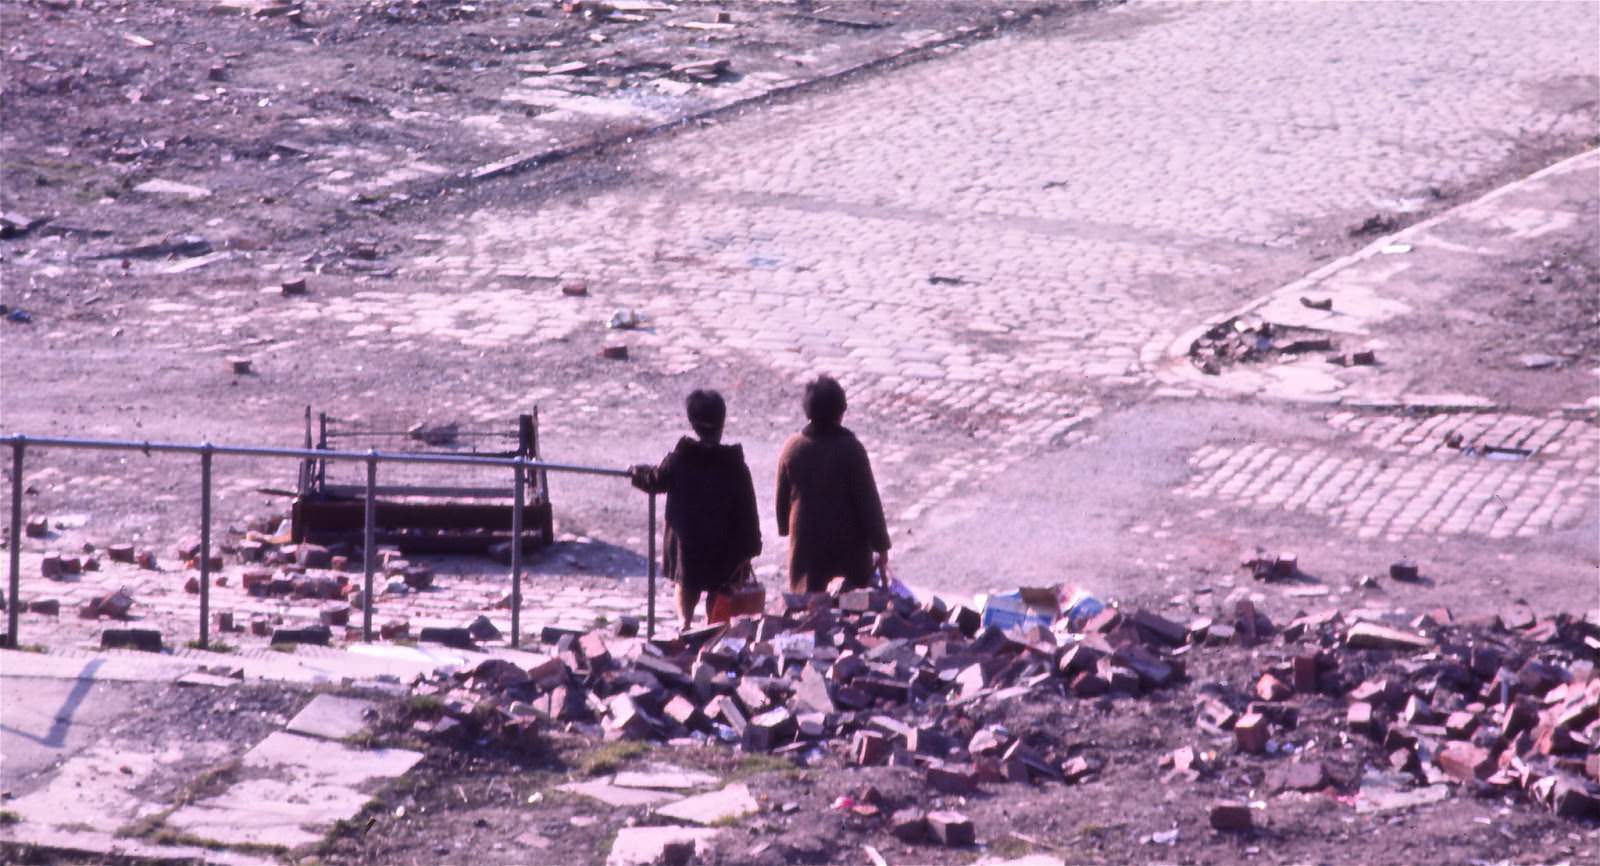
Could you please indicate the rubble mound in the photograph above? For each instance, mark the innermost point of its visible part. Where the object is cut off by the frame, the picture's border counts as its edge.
(1361, 709)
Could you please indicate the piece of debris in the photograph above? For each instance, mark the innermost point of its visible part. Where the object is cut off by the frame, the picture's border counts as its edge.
(239, 366)
(294, 287)
(435, 434)
(624, 320)
(169, 187)
(1317, 303)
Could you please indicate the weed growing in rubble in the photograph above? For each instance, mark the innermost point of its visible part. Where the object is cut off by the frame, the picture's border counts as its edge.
(424, 705)
(215, 646)
(756, 764)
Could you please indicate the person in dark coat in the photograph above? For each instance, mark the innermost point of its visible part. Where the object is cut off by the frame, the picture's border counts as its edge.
(712, 528)
(827, 499)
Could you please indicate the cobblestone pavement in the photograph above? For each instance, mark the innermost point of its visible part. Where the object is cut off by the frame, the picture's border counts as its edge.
(1004, 242)
(1389, 476)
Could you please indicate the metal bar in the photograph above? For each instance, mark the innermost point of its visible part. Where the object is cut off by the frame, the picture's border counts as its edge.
(307, 454)
(516, 557)
(544, 480)
(375, 434)
(322, 444)
(369, 548)
(305, 465)
(403, 490)
(650, 608)
(12, 600)
(205, 549)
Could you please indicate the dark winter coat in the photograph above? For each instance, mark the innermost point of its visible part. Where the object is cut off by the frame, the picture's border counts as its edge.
(712, 527)
(828, 504)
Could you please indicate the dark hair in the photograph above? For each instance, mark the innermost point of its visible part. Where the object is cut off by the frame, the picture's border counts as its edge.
(707, 411)
(824, 401)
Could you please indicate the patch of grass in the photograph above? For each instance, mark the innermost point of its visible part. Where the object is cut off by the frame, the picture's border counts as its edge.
(367, 739)
(423, 705)
(8, 817)
(754, 765)
(1009, 847)
(211, 782)
(38, 648)
(607, 758)
(404, 641)
(284, 648)
(601, 620)
(602, 849)
(215, 646)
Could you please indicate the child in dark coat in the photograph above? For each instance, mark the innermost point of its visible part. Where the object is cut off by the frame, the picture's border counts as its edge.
(712, 529)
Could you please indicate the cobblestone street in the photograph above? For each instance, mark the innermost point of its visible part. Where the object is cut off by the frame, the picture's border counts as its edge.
(997, 250)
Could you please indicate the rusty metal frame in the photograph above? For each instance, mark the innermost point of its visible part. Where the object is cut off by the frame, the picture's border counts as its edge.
(519, 465)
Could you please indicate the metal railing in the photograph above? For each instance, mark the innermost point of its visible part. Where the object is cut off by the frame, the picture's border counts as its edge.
(520, 467)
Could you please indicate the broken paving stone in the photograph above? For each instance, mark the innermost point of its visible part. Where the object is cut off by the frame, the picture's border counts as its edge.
(331, 717)
(158, 186)
(648, 846)
(664, 778)
(1368, 635)
(620, 796)
(728, 804)
(1377, 799)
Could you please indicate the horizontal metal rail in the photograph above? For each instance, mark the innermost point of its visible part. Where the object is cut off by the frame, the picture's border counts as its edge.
(419, 490)
(207, 451)
(302, 453)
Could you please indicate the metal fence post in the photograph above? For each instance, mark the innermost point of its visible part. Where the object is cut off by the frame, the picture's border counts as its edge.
(205, 545)
(369, 549)
(650, 609)
(12, 602)
(516, 554)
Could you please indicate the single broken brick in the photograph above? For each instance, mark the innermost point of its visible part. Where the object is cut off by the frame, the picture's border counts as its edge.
(1230, 817)
(1359, 718)
(1250, 734)
(909, 826)
(951, 829)
(1464, 762)
(1270, 688)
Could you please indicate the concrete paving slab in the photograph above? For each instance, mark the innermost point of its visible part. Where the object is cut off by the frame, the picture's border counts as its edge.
(96, 786)
(90, 846)
(665, 778)
(620, 797)
(331, 717)
(731, 802)
(45, 721)
(639, 846)
(294, 788)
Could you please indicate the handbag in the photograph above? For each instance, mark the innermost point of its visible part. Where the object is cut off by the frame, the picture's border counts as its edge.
(744, 597)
